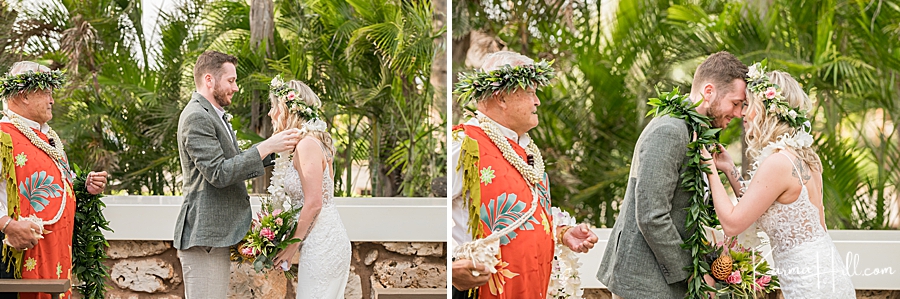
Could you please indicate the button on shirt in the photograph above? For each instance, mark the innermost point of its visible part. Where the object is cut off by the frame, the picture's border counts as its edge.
(44, 128)
(459, 213)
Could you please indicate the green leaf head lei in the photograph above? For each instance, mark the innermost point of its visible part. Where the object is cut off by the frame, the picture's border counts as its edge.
(31, 81)
(479, 85)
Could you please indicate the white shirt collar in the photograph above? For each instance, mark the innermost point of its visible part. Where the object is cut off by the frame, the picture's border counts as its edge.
(524, 140)
(30, 123)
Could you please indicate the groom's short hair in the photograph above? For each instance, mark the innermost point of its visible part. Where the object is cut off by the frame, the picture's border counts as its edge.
(720, 69)
(211, 62)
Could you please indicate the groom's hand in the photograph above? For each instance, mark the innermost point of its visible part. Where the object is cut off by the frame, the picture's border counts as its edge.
(580, 238)
(283, 141)
(463, 278)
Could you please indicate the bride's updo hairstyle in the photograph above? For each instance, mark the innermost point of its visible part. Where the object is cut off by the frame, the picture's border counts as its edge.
(299, 108)
(768, 126)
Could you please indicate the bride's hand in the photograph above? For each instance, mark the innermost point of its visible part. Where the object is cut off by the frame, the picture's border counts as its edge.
(286, 255)
(722, 159)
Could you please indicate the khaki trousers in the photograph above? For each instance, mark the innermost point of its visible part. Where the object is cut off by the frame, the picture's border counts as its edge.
(206, 271)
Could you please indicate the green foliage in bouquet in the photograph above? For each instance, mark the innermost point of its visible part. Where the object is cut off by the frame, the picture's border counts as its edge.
(88, 243)
(271, 232)
(750, 276)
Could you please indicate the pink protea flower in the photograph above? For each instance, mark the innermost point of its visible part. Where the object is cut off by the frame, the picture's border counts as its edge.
(276, 212)
(734, 278)
(770, 93)
(279, 221)
(763, 281)
(267, 233)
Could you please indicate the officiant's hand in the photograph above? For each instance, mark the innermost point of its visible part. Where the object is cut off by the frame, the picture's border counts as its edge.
(463, 278)
(286, 255)
(96, 182)
(580, 238)
(21, 235)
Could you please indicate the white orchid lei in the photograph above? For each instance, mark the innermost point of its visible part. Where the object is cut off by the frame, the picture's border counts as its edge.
(278, 196)
(565, 281)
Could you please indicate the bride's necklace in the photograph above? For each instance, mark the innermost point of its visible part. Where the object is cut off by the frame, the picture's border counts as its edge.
(532, 174)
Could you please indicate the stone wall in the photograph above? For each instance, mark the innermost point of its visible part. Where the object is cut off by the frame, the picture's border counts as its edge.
(860, 294)
(150, 269)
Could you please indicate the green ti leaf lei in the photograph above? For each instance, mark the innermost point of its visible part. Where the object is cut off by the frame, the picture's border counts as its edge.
(479, 85)
(31, 81)
(699, 212)
(88, 243)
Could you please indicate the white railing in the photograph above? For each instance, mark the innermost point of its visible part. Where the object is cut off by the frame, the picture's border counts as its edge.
(872, 258)
(385, 219)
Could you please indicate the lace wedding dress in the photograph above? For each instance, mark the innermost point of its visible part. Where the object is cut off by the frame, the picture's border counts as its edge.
(807, 263)
(325, 255)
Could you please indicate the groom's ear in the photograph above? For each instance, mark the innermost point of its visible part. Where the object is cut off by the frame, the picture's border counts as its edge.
(709, 92)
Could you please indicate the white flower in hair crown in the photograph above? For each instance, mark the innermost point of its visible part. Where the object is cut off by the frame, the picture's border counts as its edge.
(292, 99)
(761, 85)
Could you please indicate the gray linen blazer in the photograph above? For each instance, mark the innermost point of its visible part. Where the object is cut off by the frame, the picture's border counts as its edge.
(216, 208)
(643, 257)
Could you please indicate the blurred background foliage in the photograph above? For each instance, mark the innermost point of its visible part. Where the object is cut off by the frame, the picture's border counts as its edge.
(612, 56)
(370, 61)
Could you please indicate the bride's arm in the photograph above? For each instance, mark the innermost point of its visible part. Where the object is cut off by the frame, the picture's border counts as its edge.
(311, 168)
(771, 180)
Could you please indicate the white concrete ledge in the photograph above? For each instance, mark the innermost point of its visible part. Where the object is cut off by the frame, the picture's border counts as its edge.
(386, 219)
(872, 258)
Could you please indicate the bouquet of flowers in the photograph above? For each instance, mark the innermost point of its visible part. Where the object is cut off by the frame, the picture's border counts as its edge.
(741, 272)
(270, 232)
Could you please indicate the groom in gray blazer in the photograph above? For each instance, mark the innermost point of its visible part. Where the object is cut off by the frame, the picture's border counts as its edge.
(643, 257)
(216, 209)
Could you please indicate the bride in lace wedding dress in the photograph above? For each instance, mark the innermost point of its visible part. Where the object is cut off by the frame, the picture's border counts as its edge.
(785, 192)
(324, 263)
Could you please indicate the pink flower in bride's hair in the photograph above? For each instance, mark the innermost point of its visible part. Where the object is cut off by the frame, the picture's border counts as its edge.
(276, 212)
(267, 233)
(734, 278)
(279, 221)
(291, 95)
(763, 281)
(770, 93)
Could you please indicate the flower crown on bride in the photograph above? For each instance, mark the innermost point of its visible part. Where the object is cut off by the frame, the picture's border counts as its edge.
(761, 85)
(295, 105)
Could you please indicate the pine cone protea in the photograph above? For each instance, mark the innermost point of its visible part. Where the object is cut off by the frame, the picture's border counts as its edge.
(723, 265)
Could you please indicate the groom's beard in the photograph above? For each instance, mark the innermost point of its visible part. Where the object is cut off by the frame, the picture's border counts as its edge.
(221, 96)
(719, 117)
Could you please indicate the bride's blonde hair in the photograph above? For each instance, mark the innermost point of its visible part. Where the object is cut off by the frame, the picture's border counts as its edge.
(288, 119)
(767, 127)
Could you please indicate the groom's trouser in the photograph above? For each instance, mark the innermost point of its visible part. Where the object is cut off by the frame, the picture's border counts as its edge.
(206, 270)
